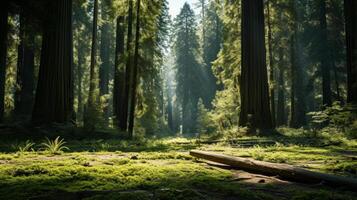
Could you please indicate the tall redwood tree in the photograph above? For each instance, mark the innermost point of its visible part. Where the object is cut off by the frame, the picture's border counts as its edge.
(54, 95)
(351, 36)
(4, 6)
(255, 104)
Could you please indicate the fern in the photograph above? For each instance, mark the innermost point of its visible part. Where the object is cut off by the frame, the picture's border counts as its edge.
(25, 147)
(55, 146)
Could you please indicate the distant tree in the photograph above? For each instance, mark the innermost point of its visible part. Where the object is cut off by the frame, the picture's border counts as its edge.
(134, 84)
(4, 6)
(123, 119)
(351, 32)
(119, 76)
(105, 42)
(324, 58)
(271, 63)
(298, 99)
(189, 70)
(212, 42)
(25, 68)
(255, 108)
(92, 102)
(54, 94)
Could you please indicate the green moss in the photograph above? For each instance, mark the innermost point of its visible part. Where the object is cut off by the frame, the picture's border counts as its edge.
(162, 169)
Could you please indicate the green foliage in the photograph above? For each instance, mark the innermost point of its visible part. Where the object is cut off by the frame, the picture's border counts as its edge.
(337, 116)
(204, 120)
(27, 146)
(55, 146)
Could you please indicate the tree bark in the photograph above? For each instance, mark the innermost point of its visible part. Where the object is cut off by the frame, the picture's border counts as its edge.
(3, 53)
(80, 64)
(324, 62)
(93, 60)
(25, 69)
(134, 83)
(54, 96)
(351, 42)
(298, 104)
(119, 79)
(272, 66)
(126, 92)
(255, 106)
(104, 55)
(281, 113)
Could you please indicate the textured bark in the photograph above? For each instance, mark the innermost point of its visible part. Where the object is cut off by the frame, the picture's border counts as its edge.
(105, 56)
(170, 113)
(324, 62)
(134, 83)
(119, 79)
(298, 107)
(54, 96)
(351, 42)
(104, 50)
(81, 62)
(25, 69)
(255, 106)
(281, 113)
(3, 53)
(125, 106)
(93, 60)
(298, 94)
(271, 65)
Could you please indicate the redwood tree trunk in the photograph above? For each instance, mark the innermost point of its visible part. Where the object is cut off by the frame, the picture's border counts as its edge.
(25, 69)
(93, 60)
(298, 93)
(3, 53)
(105, 56)
(125, 105)
(134, 83)
(351, 36)
(255, 104)
(325, 66)
(271, 65)
(281, 113)
(54, 96)
(119, 79)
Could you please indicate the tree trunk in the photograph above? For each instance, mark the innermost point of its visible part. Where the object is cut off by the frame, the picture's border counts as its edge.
(351, 42)
(170, 112)
(119, 79)
(134, 83)
(271, 65)
(25, 69)
(104, 55)
(54, 96)
(93, 60)
(3, 53)
(324, 63)
(80, 64)
(281, 113)
(298, 105)
(255, 106)
(125, 106)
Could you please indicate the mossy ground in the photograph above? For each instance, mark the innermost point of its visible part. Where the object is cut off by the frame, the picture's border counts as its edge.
(162, 169)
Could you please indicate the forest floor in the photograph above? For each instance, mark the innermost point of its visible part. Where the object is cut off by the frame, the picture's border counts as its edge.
(163, 169)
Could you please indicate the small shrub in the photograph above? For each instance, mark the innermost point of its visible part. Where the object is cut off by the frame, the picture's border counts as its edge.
(336, 116)
(27, 146)
(55, 146)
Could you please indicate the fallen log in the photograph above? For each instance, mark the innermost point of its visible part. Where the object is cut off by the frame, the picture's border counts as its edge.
(284, 171)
